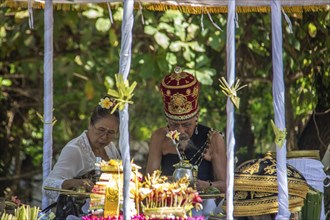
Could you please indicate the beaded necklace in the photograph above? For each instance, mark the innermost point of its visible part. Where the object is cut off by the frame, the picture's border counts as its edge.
(200, 153)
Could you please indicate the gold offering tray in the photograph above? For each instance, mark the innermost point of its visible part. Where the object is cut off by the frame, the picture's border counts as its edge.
(68, 192)
(111, 169)
(211, 196)
(163, 212)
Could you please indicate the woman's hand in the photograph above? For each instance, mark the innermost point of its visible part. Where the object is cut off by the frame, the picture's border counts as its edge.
(77, 184)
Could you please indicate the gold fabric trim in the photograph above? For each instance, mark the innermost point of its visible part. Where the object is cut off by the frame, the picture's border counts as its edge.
(264, 206)
(239, 9)
(163, 7)
(181, 117)
(246, 182)
(314, 154)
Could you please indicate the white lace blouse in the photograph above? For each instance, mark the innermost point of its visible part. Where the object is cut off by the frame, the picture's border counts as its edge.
(76, 159)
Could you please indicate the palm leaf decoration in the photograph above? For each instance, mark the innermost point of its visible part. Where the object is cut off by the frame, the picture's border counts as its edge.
(231, 92)
(123, 94)
(280, 135)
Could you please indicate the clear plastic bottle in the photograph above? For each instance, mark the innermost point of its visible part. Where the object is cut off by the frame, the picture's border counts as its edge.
(97, 169)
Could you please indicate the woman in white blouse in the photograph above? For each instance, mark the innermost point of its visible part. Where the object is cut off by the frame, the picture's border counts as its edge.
(79, 155)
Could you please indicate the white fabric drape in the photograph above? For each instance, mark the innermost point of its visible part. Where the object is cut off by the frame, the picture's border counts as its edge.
(230, 137)
(313, 171)
(48, 94)
(279, 109)
(124, 67)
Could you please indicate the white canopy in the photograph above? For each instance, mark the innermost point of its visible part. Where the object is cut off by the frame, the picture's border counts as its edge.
(191, 6)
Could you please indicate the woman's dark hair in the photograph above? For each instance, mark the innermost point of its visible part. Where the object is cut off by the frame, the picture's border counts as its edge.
(99, 112)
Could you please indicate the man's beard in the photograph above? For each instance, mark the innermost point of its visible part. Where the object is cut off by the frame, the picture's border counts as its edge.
(186, 144)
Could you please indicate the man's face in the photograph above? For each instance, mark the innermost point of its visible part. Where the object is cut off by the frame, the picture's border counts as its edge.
(186, 127)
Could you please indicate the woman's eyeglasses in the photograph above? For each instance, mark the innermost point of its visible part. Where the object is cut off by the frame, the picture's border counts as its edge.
(104, 131)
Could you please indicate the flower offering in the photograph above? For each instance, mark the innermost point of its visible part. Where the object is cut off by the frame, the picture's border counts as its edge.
(162, 199)
(174, 136)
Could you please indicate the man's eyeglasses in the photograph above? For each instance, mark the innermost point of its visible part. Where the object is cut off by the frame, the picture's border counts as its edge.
(105, 131)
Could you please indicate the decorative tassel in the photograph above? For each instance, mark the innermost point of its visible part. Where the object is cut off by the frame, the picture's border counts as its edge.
(214, 24)
(110, 12)
(202, 21)
(236, 20)
(30, 11)
(287, 21)
(140, 10)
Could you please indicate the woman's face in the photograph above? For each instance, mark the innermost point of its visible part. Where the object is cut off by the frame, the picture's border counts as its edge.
(103, 131)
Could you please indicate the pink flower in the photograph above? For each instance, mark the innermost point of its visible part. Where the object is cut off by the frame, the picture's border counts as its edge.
(15, 200)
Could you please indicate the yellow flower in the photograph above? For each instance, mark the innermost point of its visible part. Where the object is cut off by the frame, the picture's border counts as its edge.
(174, 136)
(106, 103)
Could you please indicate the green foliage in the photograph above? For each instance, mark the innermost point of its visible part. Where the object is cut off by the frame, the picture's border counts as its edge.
(86, 57)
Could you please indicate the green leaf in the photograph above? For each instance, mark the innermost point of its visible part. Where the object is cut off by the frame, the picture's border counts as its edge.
(188, 54)
(89, 90)
(214, 41)
(192, 31)
(29, 41)
(109, 82)
(162, 40)
(113, 38)
(103, 24)
(5, 82)
(196, 46)
(176, 46)
(180, 30)
(167, 27)
(22, 14)
(93, 13)
(202, 60)
(204, 75)
(150, 30)
(312, 30)
(171, 58)
(2, 32)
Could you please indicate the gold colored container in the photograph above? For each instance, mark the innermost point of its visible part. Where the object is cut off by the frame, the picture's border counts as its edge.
(165, 212)
(111, 203)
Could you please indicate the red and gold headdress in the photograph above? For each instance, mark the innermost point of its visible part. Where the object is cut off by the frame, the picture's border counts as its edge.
(180, 91)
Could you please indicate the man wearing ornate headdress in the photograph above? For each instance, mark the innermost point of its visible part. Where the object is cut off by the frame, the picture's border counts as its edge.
(201, 145)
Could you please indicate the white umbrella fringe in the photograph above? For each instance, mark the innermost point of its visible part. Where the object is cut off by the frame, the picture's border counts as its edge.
(279, 109)
(48, 95)
(230, 141)
(124, 67)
